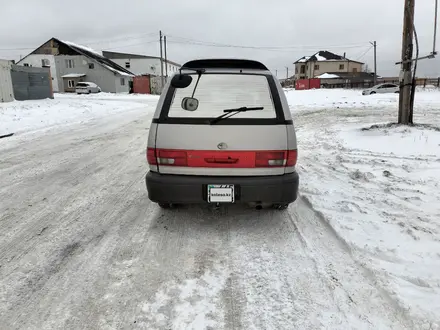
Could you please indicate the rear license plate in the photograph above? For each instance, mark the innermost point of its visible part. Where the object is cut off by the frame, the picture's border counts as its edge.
(221, 193)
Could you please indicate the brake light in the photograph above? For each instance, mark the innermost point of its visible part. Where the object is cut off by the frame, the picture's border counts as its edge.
(275, 158)
(270, 158)
(166, 157)
(151, 157)
(222, 159)
(292, 157)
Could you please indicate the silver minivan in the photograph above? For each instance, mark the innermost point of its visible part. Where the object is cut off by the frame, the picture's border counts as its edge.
(222, 133)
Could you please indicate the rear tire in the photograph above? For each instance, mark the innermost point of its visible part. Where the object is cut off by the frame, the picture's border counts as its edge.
(165, 206)
(280, 207)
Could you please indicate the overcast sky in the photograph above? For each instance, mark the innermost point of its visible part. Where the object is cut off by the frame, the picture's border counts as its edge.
(276, 32)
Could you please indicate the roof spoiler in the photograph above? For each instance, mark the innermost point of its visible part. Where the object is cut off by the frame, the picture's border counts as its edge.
(224, 64)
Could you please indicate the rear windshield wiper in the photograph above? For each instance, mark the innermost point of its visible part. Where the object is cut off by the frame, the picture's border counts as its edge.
(232, 112)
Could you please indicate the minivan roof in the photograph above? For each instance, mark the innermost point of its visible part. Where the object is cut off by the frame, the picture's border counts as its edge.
(224, 63)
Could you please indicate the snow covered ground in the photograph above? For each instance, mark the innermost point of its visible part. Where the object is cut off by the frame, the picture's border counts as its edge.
(82, 246)
(67, 109)
(378, 186)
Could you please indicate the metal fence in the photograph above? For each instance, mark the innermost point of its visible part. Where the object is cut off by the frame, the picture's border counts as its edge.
(31, 83)
(423, 82)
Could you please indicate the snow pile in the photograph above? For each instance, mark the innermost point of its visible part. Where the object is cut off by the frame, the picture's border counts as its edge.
(66, 109)
(117, 71)
(304, 59)
(332, 99)
(378, 186)
(320, 58)
(87, 49)
(196, 306)
(327, 76)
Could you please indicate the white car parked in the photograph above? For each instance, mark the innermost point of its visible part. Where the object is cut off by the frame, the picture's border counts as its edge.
(84, 87)
(381, 89)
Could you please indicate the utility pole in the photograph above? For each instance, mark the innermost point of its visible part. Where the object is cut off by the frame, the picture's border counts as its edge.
(375, 62)
(161, 61)
(166, 60)
(406, 66)
(287, 73)
(276, 73)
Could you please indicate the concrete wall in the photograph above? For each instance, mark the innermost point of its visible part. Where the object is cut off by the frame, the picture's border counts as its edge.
(156, 85)
(142, 66)
(35, 60)
(333, 66)
(325, 66)
(122, 88)
(103, 77)
(6, 90)
(31, 83)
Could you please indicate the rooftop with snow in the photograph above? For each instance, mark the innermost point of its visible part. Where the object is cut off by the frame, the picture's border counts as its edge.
(322, 56)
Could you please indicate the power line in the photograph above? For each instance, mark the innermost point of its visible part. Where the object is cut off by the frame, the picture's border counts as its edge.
(92, 42)
(96, 42)
(216, 44)
(132, 45)
(286, 49)
(364, 53)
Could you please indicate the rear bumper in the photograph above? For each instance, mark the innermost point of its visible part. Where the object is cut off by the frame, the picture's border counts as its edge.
(188, 189)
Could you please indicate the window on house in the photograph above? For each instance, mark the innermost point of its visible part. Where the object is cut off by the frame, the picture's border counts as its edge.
(91, 66)
(303, 69)
(296, 69)
(45, 62)
(122, 81)
(316, 66)
(355, 70)
(70, 64)
(70, 83)
(341, 66)
(25, 64)
(127, 65)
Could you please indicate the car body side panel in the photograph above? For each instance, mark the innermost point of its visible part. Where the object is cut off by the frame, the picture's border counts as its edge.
(290, 129)
(152, 143)
(283, 99)
(160, 103)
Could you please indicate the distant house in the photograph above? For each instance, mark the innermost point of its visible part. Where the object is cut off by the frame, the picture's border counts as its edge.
(346, 79)
(70, 63)
(325, 62)
(142, 64)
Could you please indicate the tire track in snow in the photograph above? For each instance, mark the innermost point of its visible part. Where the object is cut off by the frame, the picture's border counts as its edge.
(371, 301)
(85, 172)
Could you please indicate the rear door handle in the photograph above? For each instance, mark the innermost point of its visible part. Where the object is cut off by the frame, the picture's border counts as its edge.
(228, 160)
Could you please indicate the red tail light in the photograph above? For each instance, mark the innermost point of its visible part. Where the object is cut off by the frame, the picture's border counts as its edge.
(222, 159)
(292, 157)
(166, 157)
(270, 158)
(151, 157)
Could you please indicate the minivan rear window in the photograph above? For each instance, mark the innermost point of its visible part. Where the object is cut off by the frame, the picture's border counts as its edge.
(219, 91)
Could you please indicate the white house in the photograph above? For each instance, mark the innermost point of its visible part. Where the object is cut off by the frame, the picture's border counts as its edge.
(142, 64)
(70, 63)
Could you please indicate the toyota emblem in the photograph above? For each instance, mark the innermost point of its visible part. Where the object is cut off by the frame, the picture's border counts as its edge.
(222, 146)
